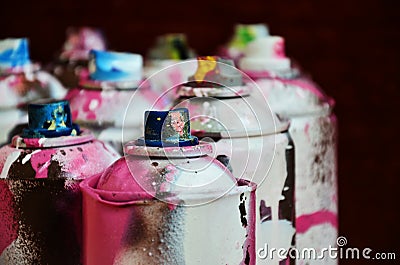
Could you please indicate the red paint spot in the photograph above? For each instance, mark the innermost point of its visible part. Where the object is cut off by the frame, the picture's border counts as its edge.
(306, 221)
(8, 222)
(32, 142)
(279, 49)
(306, 128)
(72, 93)
(171, 206)
(75, 114)
(41, 161)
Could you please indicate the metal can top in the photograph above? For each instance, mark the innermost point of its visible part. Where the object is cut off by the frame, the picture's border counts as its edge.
(289, 92)
(221, 103)
(113, 70)
(50, 125)
(14, 57)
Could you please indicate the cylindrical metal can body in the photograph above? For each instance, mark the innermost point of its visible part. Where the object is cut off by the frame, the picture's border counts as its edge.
(126, 223)
(313, 128)
(40, 206)
(256, 154)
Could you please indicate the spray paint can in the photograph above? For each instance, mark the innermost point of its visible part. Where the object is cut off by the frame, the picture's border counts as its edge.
(72, 62)
(100, 102)
(21, 82)
(253, 139)
(313, 128)
(168, 202)
(40, 199)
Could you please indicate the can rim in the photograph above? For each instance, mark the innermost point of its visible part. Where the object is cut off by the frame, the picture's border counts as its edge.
(124, 198)
(23, 143)
(110, 85)
(217, 92)
(134, 148)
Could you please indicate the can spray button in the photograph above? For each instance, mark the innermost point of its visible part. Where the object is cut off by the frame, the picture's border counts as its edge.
(50, 119)
(168, 129)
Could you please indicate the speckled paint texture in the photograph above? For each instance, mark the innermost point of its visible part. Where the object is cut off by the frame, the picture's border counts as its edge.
(40, 206)
(313, 129)
(129, 218)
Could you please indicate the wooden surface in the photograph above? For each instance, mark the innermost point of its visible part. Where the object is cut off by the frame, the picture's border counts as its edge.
(350, 47)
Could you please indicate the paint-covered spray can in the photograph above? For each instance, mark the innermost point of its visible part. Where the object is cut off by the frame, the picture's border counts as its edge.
(313, 128)
(242, 35)
(100, 102)
(40, 199)
(21, 81)
(244, 131)
(163, 60)
(168, 202)
(71, 63)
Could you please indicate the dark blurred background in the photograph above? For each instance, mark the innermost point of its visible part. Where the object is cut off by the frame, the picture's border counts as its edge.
(351, 48)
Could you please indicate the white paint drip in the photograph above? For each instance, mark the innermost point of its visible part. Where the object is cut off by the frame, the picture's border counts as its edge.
(41, 141)
(28, 156)
(10, 160)
(93, 104)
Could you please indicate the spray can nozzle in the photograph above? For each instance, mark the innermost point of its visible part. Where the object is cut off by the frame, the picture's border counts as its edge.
(50, 119)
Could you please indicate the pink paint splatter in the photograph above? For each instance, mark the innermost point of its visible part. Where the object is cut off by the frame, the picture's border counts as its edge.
(175, 77)
(335, 198)
(165, 187)
(279, 49)
(90, 96)
(304, 83)
(306, 128)
(307, 131)
(8, 224)
(153, 98)
(307, 221)
(32, 142)
(41, 161)
(72, 93)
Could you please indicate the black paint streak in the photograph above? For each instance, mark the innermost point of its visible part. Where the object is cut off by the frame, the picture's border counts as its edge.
(225, 160)
(247, 259)
(265, 212)
(286, 206)
(54, 170)
(242, 209)
(85, 158)
(52, 214)
(21, 171)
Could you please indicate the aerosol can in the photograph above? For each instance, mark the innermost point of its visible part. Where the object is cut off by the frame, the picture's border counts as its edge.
(245, 132)
(100, 102)
(71, 63)
(21, 81)
(40, 199)
(313, 128)
(168, 202)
